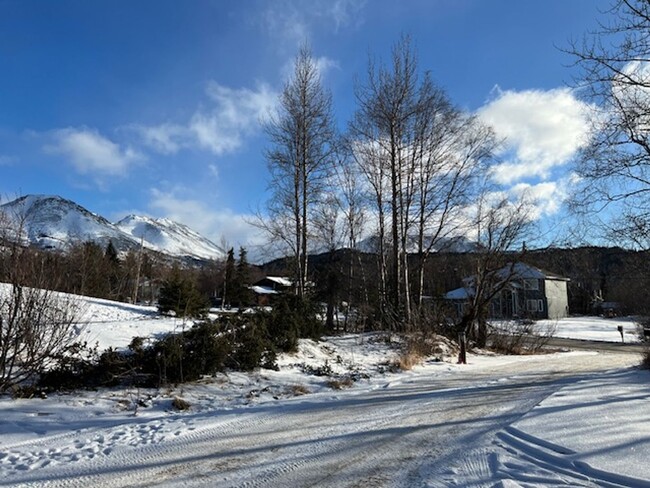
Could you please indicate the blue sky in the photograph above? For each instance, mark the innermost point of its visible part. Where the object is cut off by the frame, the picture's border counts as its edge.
(153, 107)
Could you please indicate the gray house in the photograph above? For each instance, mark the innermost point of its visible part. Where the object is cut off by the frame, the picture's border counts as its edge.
(530, 292)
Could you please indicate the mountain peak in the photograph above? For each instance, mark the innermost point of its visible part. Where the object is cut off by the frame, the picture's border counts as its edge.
(170, 237)
(53, 222)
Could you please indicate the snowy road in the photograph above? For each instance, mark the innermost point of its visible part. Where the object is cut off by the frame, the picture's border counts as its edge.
(453, 430)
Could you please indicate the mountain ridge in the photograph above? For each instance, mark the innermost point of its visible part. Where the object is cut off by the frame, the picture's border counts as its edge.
(54, 222)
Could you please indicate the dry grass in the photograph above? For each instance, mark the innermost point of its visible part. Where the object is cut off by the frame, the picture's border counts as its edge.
(340, 384)
(408, 359)
(419, 346)
(297, 390)
(180, 404)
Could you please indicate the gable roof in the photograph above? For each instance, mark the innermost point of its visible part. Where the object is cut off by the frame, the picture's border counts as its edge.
(459, 294)
(280, 280)
(511, 272)
(526, 271)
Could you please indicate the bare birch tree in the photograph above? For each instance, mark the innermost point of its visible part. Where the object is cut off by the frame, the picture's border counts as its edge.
(382, 131)
(420, 156)
(451, 150)
(302, 136)
(614, 165)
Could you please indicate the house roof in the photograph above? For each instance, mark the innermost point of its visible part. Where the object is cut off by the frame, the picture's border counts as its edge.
(511, 272)
(280, 280)
(525, 271)
(263, 290)
(522, 270)
(461, 293)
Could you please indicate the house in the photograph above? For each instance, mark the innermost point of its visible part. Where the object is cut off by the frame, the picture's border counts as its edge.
(529, 292)
(275, 283)
(269, 287)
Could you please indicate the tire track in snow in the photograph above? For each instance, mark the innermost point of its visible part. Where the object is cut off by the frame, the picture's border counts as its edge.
(355, 439)
(556, 462)
(80, 462)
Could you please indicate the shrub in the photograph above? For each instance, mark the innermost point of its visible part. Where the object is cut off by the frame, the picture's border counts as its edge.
(252, 347)
(180, 296)
(521, 337)
(186, 356)
(72, 368)
(36, 330)
(292, 317)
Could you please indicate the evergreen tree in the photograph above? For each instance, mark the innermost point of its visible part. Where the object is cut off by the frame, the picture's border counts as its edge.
(112, 263)
(111, 253)
(179, 294)
(244, 294)
(229, 278)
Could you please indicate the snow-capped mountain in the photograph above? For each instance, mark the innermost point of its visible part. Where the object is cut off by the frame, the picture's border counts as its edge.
(52, 222)
(169, 237)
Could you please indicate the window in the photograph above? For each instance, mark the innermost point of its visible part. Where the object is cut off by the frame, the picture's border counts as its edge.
(531, 284)
(535, 305)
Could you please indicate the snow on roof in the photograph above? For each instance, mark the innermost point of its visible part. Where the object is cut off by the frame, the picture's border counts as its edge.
(263, 290)
(521, 270)
(458, 294)
(280, 280)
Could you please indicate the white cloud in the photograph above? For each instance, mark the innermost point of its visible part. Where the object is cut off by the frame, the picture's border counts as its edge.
(217, 225)
(285, 21)
(542, 130)
(234, 113)
(237, 112)
(292, 22)
(7, 160)
(346, 12)
(165, 138)
(544, 199)
(90, 152)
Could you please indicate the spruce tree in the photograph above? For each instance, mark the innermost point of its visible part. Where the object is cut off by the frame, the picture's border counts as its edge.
(179, 294)
(244, 294)
(229, 279)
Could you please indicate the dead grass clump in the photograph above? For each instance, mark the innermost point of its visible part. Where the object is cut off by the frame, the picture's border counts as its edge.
(180, 404)
(431, 345)
(297, 390)
(423, 345)
(340, 384)
(408, 359)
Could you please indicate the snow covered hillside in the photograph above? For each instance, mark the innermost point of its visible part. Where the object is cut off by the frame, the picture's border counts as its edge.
(52, 222)
(169, 237)
(571, 419)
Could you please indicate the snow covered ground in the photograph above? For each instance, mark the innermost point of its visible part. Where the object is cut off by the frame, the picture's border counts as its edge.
(571, 419)
(595, 328)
